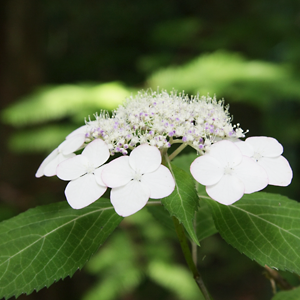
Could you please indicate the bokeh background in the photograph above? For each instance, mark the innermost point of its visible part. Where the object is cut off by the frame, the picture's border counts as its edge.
(61, 61)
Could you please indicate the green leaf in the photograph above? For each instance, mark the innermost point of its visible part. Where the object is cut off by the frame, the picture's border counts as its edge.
(163, 216)
(184, 161)
(288, 295)
(265, 227)
(205, 225)
(183, 202)
(50, 242)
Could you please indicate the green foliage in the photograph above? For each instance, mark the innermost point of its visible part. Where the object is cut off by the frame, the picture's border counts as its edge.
(50, 242)
(203, 222)
(140, 252)
(66, 100)
(265, 227)
(288, 295)
(55, 103)
(183, 161)
(205, 225)
(231, 76)
(39, 139)
(183, 202)
(174, 278)
(117, 261)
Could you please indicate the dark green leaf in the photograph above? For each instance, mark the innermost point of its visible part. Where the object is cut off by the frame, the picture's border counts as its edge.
(50, 242)
(205, 225)
(183, 202)
(266, 227)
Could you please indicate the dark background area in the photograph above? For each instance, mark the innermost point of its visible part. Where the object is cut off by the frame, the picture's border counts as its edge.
(52, 43)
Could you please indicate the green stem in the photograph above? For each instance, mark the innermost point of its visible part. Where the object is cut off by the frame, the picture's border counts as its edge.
(177, 151)
(189, 259)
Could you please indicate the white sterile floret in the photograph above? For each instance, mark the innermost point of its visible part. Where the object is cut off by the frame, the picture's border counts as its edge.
(227, 174)
(136, 178)
(72, 143)
(266, 151)
(86, 185)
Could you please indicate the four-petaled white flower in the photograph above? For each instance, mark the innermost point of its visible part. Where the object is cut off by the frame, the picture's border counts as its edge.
(83, 170)
(227, 174)
(72, 143)
(136, 178)
(266, 151)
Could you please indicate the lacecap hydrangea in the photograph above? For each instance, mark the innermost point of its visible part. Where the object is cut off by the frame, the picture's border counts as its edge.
(136, 136)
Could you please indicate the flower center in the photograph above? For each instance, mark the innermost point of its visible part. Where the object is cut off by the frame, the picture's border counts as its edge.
(137, 176)
(90, 168)
(257, 156)
(228, 170)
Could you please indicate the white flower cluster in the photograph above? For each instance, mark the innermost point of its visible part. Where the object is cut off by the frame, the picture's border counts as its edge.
(148, 125)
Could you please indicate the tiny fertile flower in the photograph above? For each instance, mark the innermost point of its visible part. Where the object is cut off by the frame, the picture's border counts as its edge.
(227, 174)
(266, 151)
(160, 119)
(83, 170)
(65, 150)
(136, 178)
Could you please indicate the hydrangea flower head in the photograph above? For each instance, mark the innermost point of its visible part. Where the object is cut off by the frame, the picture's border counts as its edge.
(136, 135)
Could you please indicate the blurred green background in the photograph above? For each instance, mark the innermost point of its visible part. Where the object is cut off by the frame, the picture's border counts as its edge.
(62, 61)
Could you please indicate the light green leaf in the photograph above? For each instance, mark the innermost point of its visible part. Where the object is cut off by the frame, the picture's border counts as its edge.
(288, 295)
(183, 202)
(174, 278)
(265, 227)
(50, 242)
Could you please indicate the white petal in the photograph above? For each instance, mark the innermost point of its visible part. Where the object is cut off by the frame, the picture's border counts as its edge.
(227, 191)
(72, 168)
(246, 148)
(51, 168)
(83, 191)
(145, 158)
(98, 175)
(46, 161)
(252, 175)
(80, 130)
(72, 144)
(160, 182)
(278, 169)
(97, 152)
(226, 153)
(129, 198)
(118, 172)
(207, 170)
(265, 146)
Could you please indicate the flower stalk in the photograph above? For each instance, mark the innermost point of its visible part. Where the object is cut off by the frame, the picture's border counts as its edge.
(189, 259)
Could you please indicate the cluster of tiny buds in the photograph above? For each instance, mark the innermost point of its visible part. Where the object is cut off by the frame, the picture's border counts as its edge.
(161, 119)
